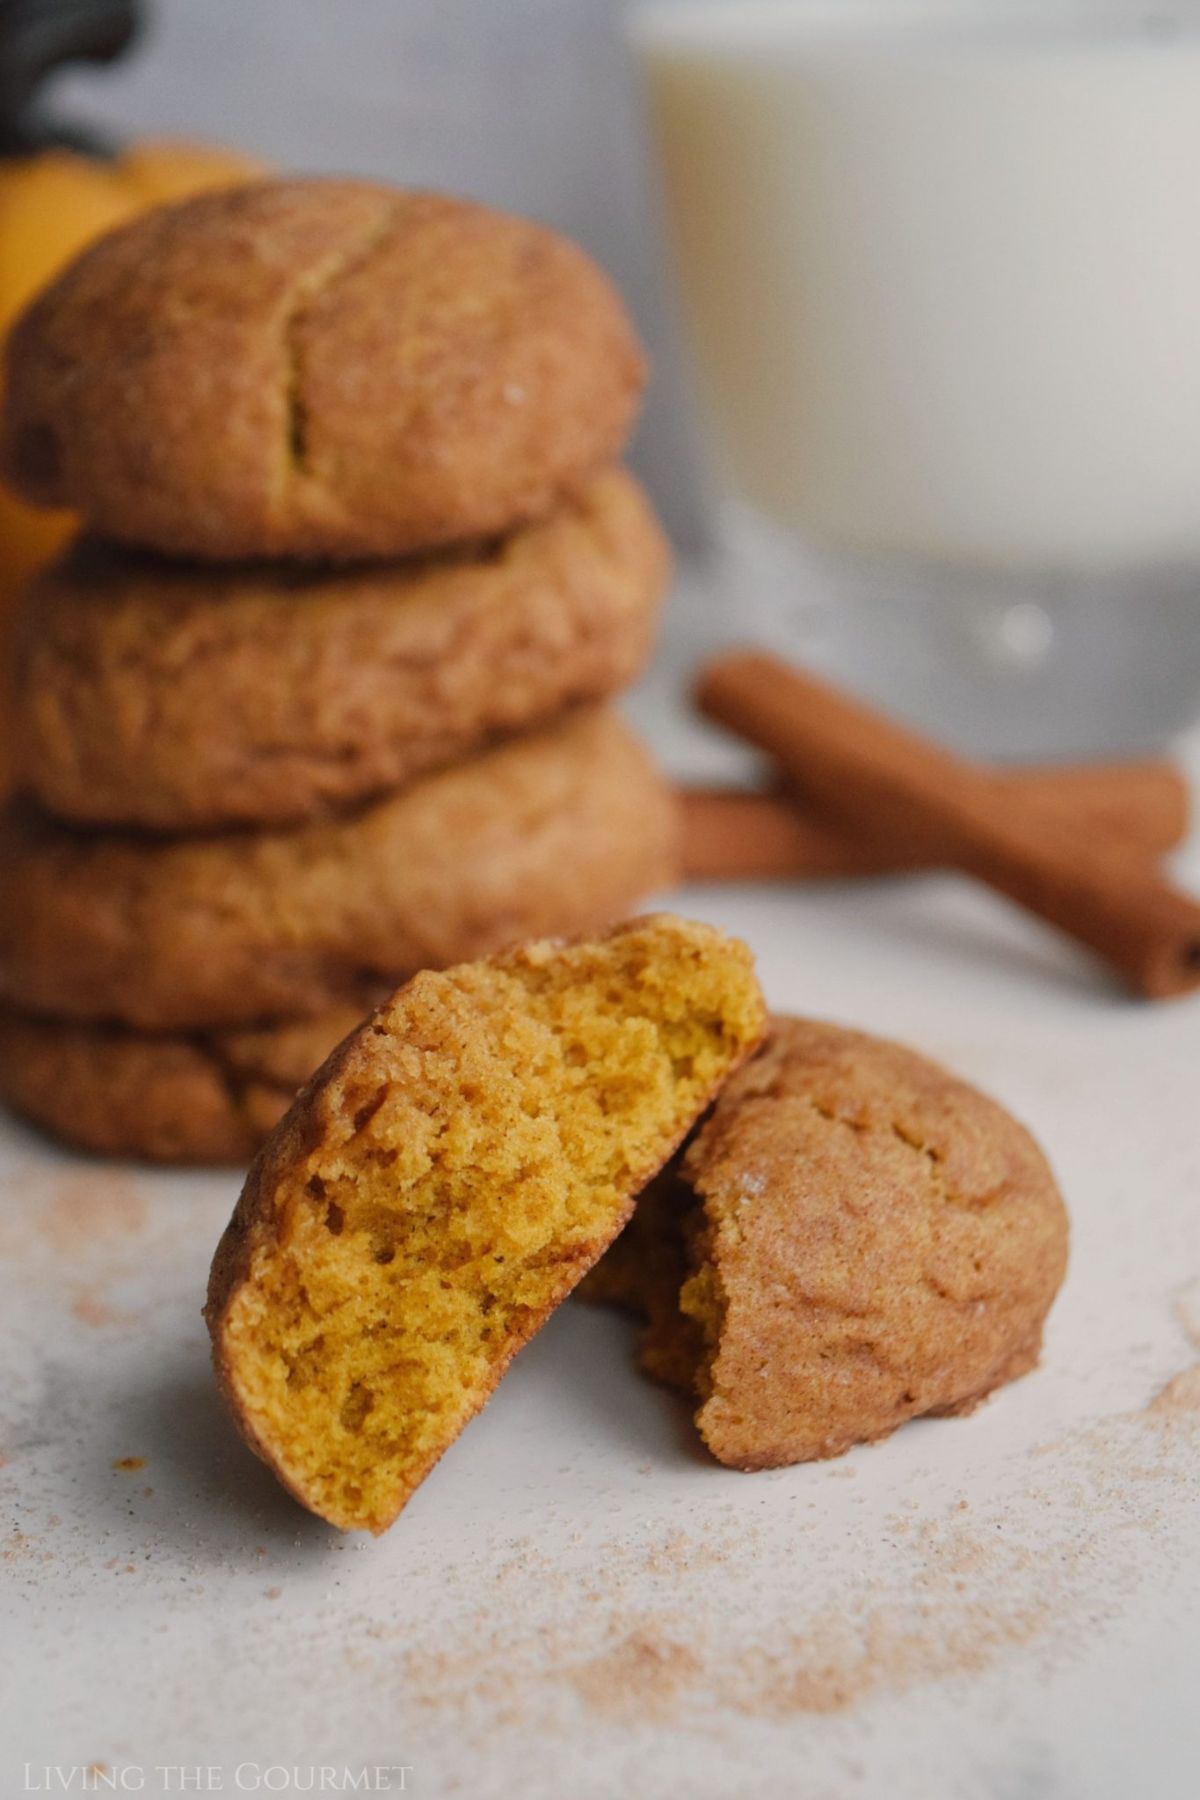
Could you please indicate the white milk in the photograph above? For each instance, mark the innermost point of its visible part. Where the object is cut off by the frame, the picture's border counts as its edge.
(944, 278)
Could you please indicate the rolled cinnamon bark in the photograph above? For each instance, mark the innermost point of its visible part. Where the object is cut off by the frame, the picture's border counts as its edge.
(900, 789)
(775, 834)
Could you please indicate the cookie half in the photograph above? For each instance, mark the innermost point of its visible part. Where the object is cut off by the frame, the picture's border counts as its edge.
(561, 831)
(318, 369)
(854, 1238)
(183, 698)
(443, 1183)
(207, 1099)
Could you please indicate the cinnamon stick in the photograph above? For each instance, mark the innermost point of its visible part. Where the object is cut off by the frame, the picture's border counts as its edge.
(900, 789)
(744, 834)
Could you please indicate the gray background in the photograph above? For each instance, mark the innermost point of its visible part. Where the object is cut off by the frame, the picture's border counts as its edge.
(529, 104)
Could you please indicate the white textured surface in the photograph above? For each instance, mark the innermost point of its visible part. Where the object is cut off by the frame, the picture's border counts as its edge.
(578, 1602)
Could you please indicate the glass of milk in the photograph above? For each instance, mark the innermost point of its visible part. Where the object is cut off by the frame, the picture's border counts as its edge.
(940, 265)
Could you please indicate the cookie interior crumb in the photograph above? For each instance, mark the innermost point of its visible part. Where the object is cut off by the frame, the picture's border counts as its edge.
(644, 1271)
(466, 1159)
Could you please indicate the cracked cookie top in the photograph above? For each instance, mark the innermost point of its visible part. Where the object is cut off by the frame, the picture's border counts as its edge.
(318, 368)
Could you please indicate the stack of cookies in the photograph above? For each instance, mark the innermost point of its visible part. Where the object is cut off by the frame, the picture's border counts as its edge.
(319, 698)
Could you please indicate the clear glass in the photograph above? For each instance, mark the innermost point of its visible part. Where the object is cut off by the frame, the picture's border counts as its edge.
(942, 276)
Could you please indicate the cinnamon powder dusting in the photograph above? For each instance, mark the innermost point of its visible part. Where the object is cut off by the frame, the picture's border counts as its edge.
(1187, 1311)
(91, 1309)
(681, 1630)
(640, 1676)
(90, 1209)
(1181, 1395)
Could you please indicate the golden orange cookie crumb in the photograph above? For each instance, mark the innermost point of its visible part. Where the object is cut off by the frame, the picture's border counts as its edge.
(445, 1181)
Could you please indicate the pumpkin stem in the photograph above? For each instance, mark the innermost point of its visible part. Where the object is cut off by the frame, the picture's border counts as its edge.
(39, 37)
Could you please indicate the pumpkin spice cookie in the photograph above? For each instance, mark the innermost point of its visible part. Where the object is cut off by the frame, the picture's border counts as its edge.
(444, 1182)
(854, 1238)
(206, 1099)
(317, 368)
(563, 830)
(181, 697)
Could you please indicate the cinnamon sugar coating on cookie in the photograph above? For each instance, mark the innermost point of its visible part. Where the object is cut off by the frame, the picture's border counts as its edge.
(204, 1098)
(854, 1238)
(183, 698)
(442, 1184)
(562, 830)
(318, 368)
